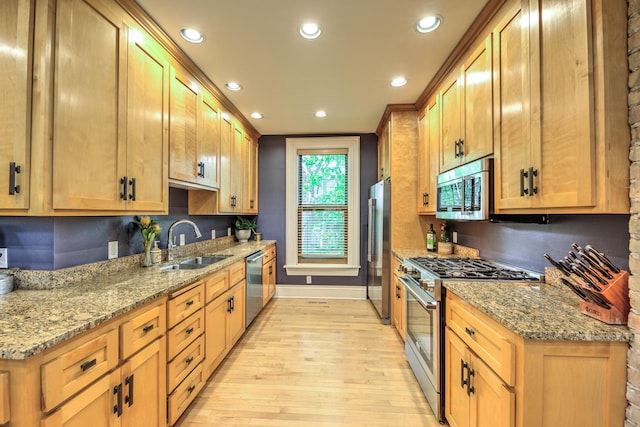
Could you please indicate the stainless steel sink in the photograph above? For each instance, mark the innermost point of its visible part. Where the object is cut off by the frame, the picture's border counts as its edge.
(195, 263)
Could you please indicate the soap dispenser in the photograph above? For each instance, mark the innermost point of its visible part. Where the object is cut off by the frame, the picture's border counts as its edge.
(156, 253)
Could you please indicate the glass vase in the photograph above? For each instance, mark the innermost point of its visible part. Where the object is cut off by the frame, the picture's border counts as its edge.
(146, 261)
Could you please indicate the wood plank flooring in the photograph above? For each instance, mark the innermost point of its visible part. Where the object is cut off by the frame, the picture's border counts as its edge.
(313, 363)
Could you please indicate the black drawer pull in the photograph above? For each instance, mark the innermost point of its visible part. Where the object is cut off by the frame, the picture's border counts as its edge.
(189, 360)
(88, 364)
(471, 332)
(147, 328)
(189, 330)
(191, 388)
(189, 303)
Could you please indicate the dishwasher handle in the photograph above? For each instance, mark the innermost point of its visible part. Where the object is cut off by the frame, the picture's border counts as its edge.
(256, 256)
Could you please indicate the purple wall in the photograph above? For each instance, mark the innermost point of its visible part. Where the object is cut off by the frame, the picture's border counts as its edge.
(48, 243)
(524, 244)
(271, 221)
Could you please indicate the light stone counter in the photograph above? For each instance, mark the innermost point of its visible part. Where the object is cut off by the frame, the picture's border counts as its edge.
(36, 317)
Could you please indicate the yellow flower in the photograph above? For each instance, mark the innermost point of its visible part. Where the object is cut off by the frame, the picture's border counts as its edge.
(145, 221)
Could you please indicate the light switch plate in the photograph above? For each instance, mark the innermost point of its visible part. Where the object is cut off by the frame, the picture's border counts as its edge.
(228, 231)
(182, 240)
(213, 234)
(113, 249)
(4, 262)
(308, 280)
(455, 237)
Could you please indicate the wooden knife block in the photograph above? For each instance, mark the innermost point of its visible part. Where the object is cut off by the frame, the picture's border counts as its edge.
(616, 293)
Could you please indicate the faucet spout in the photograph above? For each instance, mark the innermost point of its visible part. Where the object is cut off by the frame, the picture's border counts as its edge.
(170, 245)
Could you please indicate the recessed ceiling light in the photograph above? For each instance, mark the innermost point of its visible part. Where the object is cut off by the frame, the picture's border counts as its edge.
(233, 86)
(428, 24)
(310, 30)
(321, 113)
(256, 115)
(191, 35)
(398, 81)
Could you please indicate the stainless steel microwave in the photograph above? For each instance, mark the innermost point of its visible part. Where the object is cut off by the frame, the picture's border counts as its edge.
(466, 192)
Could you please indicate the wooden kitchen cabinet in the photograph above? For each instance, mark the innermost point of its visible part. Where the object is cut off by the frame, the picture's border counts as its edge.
(495, 377)
(571, 155)
(110, 105)
(428, 160)
(467, 110)
(398, 305)
(232, 167)
(16, 32)
(209, 141)
(384, 152)
(268, 274)
(251, 175)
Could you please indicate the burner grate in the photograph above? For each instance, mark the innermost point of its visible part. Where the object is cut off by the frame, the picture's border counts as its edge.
(470, 268)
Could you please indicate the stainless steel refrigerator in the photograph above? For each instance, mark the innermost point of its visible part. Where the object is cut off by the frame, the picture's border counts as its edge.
(379, 249)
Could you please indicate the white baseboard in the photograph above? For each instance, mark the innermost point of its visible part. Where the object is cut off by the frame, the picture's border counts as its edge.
(321, 292)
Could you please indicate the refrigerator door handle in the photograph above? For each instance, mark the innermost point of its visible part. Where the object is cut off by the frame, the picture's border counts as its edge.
(371, 229)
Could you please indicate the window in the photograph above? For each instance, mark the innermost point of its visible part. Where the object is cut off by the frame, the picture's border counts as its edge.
(323, 206)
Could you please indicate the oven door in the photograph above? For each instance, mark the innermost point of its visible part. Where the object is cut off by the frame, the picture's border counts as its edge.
(423, 335)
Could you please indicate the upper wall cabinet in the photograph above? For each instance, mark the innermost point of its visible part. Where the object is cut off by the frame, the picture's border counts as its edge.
(16, 17)
(251, 175)
(561, 107)
(110, 108)
(428, 149)
(467, 110)
(384, 152)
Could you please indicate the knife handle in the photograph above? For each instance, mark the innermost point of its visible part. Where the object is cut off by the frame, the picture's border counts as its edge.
(602, 258)
(595, 265)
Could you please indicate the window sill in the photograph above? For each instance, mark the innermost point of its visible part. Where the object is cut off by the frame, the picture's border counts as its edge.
(322, 270)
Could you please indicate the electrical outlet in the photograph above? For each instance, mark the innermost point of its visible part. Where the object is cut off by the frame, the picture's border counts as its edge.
(113, 249)
(182, 240)
(4, 261)
(213, 234)
(308, 280)
(228, 231)
(455, 236)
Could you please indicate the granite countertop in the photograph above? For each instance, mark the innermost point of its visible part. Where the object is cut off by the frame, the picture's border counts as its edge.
(541, 311)
(33, 320)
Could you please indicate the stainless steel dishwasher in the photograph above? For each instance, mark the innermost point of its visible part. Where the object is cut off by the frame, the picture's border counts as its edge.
(254, 286)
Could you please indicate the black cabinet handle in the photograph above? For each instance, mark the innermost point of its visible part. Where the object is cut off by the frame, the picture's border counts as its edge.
(13, 170)
(233, 201)
(233, 304)
(522, 175)
(123, 193)
(229, 305)
(201, 169)
(470, 388)
(189, 303)
(188, 360)
(191, 388)
(532, 172)
(471, 332)
(189, 330)
(456, 154)
(132, 183)
(117, 409)
(89, 364)
(251, 204)
(460, 147)
(129, 398)
(463, 367)
(147, 328)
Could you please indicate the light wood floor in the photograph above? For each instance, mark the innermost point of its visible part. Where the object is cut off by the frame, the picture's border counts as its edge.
(313, 363)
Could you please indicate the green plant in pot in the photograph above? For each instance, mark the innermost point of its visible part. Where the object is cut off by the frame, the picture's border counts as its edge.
(243, 228)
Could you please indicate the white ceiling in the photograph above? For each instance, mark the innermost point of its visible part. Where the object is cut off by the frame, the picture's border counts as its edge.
(346, 71)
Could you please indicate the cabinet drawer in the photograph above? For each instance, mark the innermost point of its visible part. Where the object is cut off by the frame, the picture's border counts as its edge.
(78, 367)
(216, 284)
(184, 334)
(236, 273)
(180, 367)
(180, 399)
(184, 304)
(492, 342)
(141, 329)
(269, 254)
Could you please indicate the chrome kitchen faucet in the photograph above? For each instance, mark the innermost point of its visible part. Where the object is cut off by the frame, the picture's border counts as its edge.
(170, 245)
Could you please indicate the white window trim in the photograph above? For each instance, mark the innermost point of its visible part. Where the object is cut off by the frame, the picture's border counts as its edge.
(293, 266)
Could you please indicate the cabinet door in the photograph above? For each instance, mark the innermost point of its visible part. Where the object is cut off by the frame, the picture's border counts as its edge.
(251, 176)
(89, 152)
(15, 33)
(423, 162)
(225, 193)
(93, 407)
(209, 145)
(562, 88)
(384, 152)
(144, 387)
(429, 168)
(272, 277)
(457, 368)
(266, 292)
(477, 139)
(511, 94)
(235, 325)
(238, 170)
(216, 332)
(451, 128)
(492, 403)
(183, 139)
(147, 133)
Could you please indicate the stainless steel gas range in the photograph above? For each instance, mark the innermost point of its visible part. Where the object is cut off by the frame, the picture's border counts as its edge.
(424, 344)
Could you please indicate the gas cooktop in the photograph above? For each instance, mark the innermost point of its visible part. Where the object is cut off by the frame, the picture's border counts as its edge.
(471, 268)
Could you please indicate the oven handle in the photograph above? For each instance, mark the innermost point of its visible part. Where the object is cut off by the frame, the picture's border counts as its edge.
(427, 305)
